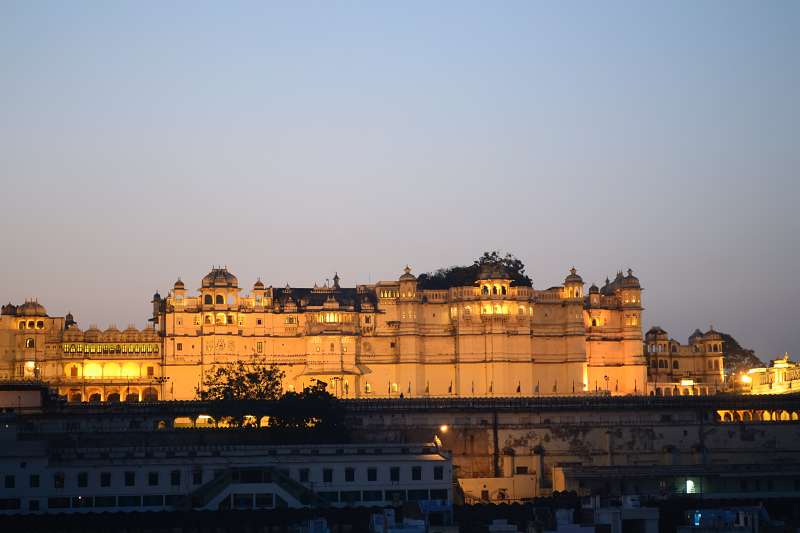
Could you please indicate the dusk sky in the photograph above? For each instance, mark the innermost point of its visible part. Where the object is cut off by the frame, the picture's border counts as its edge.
(142, 141)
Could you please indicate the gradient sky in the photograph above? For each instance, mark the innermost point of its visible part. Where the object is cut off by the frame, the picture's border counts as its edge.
(141, 141)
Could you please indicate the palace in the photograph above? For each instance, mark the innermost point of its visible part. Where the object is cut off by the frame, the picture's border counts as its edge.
(491, 337)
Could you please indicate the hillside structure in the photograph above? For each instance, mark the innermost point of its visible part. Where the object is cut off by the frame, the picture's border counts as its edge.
(495, 336)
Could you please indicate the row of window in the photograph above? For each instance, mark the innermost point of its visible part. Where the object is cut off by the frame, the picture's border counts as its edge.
(659, 348)
(104, 478)
(252, 475)
(663, 363)
(31, 324)
(109, 348)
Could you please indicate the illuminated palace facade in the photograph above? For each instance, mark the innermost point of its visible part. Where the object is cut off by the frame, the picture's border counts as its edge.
(388, 339)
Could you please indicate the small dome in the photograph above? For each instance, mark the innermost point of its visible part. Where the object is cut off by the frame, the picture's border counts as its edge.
(407, 275)
(573, 277)
(179, 285)
(712, 334)
(656, 332)
(9, 310)
(630, 280)
(593, 289)
(493, 271)
(31, 308)
(258, 285)
(220, 277)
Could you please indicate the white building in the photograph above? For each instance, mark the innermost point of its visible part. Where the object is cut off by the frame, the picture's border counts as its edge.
(52, 474)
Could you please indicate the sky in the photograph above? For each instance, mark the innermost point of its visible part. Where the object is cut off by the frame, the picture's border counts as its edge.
(140, 142)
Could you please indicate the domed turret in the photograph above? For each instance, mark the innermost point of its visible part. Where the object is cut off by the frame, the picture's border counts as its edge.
(407, 275)
(69, 320)
(630, 280)
(493, 271)
(593, 289)
(31, 308)
(179, 285)
(221, 278)
(258, 285)
(9, 310)
(573, 277)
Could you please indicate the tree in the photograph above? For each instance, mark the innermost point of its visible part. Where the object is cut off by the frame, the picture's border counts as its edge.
(241, 381)
(462, 276)
(315, 408)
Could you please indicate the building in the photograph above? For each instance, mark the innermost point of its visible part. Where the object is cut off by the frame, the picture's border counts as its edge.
(490, 337)
(185, 470)
(675, 369)
(782, 376)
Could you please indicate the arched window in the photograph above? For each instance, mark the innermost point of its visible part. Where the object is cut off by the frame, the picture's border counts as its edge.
(208, 318)
(94, 397)
(30, 343)
(30, 324)
(22, 324)
(150, 394)
(503, 289)
(654, 363)
(675, 365)
(220, 299)
(716, 365)
(594, 322)
(40, 324)
(662, 363)
(113, 397)
(710, 365)
(494, 289)
(674, 349)
(485, 290)
(220, 319)
(208, 300)
(73, 371)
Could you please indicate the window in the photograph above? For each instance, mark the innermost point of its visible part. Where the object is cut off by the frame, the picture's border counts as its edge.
(522, 470)
(130, 479)
(350, 496)
(29, 343)
(58, 480)
(105, 479)
(73, 371)
(327, 475)
(265, 500)
(259, 347)
(153, 500)
(716, 365)
(438, 494)
(130, 501)
(10, 482)
(373, 495)
(258, 323)
(416, 473)
(394, 473)
(662, 363)
(40, 324)
(415, 495)
(304, 475)
(372, 474)
(175, 478)
(438, 473)
(179, 347)
(207, 300)
(150, 371)
(34, 481)
(83, 479)
(197, 477)
(152, 478)
(33, 505)
(349, 474)
(675, 365)
(220, 299)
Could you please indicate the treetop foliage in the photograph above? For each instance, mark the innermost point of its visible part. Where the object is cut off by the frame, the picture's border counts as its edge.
(240, 381)
(464, 276)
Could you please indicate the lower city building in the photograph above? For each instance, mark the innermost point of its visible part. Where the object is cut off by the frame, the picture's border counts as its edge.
(105, 473)
(487, 336)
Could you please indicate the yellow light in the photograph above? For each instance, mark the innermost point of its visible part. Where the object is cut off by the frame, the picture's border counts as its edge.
(30, 365)
(746, 379)
(687, 382)
(443, 428)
